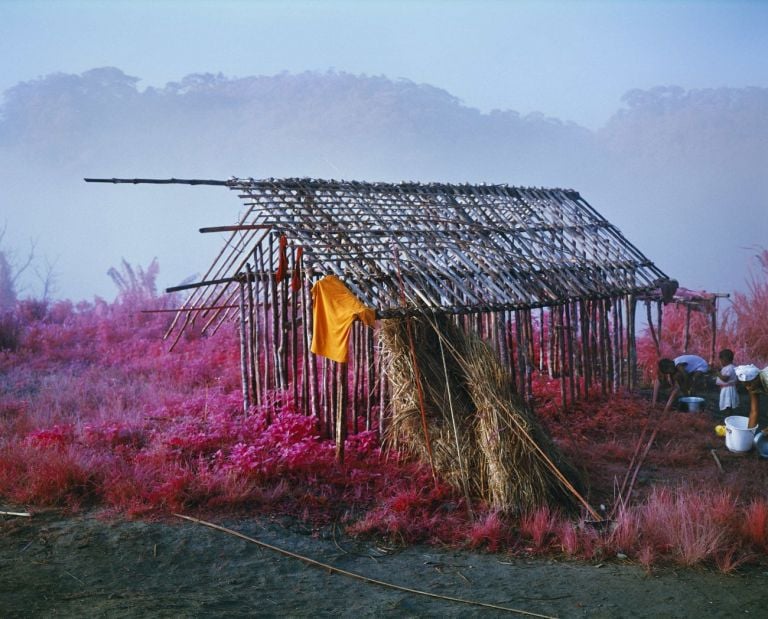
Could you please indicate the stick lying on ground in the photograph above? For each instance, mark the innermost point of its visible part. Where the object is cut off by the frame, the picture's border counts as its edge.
(337, 570)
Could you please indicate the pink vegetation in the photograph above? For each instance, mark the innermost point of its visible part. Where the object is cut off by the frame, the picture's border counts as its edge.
(95, 412)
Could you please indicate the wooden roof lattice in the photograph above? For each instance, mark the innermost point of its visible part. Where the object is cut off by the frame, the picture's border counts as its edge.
(408, 248)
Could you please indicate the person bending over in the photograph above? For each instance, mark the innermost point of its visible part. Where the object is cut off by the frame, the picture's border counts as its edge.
(685, 371)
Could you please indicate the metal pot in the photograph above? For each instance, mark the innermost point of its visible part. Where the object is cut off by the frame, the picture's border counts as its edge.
(691, 404)
(761, 444)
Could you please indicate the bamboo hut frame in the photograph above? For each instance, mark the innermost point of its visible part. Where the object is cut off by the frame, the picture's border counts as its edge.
(538, 273)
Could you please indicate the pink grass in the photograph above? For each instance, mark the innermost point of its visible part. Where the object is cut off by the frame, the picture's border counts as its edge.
(94, 411)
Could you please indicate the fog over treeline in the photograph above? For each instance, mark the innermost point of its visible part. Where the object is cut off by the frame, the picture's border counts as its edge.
(682, 173)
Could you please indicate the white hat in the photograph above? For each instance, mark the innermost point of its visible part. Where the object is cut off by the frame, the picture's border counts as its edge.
(745, 373)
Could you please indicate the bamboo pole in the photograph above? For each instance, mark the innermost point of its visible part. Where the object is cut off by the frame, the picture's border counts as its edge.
(541, 339)
(520, 355)
(616, 348)
(659, 314)
(586, 334)
(310, 360)
(603, 344)
(551, 344)
(252, 359)
(713, 349)
(569, 352)
(356, 366)
(266, 323)
(341, 410)
(243, 350)
(530, 362)
(383, 380)
(285, 338)
(632, 340)
(369, 383)
(652, 329)
(561, 357)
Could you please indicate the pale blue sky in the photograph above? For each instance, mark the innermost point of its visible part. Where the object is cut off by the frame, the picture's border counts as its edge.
(568, 59)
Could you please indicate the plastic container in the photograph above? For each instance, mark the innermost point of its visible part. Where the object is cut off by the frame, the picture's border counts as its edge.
(738, 437)
(690, 404)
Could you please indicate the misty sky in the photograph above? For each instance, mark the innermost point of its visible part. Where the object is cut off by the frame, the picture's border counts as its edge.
(568, 59)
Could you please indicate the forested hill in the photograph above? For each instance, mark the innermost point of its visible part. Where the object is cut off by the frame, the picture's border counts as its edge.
(671, 168)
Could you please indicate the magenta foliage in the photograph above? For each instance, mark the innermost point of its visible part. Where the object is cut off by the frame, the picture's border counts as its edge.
(96, 411)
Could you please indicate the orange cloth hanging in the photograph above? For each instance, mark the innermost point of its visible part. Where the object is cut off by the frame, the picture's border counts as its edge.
(334, 309)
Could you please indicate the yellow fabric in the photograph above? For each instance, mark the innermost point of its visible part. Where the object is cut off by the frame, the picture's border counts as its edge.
(334, 309)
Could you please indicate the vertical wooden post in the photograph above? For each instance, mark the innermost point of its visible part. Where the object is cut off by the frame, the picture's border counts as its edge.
(325, 390)
(265, 322)
(243, 349)
(632, 341)
(713, 350)
(369, 383)
(605, 364)
(294, 355)
(531, 355)
(659, 314)
(551, 343)
(341, 410)
(541, 339)
(652, 329)
(357, 336)
(253, 375)
(568, 333)
(509, 335)
(275, 306)
(616, 346)
(687, 339)
(520, 355)
(561, 357)
(382, 374)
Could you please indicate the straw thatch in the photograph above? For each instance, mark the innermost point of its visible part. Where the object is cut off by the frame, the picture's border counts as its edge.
(477, 433)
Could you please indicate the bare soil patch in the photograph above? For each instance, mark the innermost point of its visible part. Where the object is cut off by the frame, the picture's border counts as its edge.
(90, 566)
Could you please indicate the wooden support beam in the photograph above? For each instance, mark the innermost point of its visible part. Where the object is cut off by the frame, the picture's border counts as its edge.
(236, 228)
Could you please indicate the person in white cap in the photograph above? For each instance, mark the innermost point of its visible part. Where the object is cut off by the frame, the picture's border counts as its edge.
(755, 382)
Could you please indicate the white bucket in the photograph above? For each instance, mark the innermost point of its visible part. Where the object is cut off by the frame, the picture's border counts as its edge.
(738, 437)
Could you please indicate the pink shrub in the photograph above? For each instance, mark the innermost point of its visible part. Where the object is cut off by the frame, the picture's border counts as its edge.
(755, 525)
(490, 531)
(539, 525)
(682, 525)
(568, 537)
(731, 558)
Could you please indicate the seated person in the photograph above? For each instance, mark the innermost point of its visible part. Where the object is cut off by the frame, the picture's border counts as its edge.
(685, 371)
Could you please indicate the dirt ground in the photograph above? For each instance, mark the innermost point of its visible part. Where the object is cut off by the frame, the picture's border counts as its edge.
(53, 565)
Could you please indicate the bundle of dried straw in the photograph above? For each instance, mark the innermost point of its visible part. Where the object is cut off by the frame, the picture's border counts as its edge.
(454, 405)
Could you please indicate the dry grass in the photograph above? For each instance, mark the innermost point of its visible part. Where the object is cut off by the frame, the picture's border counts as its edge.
(478, 435)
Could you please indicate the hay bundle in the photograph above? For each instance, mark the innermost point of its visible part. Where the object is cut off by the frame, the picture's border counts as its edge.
(481, 438)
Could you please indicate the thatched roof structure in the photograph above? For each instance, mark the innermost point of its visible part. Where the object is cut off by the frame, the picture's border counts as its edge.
(448, 248)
